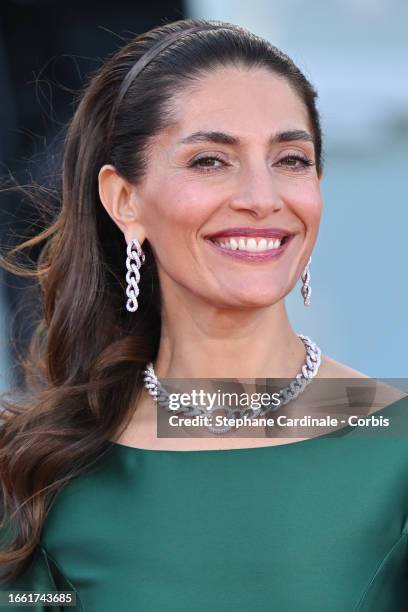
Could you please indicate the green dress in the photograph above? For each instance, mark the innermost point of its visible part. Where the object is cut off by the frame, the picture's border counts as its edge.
(319, 525)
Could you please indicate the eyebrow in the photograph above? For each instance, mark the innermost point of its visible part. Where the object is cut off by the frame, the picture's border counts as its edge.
(229, 139)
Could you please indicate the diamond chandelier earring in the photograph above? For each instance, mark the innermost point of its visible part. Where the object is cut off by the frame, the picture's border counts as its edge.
(134, 260)
(306, 289)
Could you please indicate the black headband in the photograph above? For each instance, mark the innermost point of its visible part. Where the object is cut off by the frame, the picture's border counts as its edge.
(149, 55)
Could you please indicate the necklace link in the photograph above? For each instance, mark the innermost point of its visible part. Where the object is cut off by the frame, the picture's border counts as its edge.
(291, 392)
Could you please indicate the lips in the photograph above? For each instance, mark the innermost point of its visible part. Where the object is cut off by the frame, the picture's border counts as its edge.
(227, 246)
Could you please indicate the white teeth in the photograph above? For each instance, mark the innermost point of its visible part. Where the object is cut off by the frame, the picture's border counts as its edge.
(249, 244)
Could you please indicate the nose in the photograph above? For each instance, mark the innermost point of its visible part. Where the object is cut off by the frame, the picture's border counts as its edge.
(256, 192)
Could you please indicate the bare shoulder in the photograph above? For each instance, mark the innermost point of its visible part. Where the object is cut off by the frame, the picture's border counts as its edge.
(385, 394)
(329, 368)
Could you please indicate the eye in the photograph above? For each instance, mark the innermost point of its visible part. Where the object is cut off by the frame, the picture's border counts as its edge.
(206, 162)
(295, 162)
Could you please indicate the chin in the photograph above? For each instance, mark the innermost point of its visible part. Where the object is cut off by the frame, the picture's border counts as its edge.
(253, 299)
(262, 303)
(263, 294)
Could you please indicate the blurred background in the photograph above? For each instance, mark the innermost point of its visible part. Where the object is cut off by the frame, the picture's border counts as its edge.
(355, 53)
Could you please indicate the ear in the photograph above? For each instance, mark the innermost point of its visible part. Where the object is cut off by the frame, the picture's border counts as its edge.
(119, 200)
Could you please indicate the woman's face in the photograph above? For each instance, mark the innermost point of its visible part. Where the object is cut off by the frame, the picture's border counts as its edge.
(232, 179)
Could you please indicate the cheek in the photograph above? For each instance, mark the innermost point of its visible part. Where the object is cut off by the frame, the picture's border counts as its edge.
(181, 208)
(306, 202)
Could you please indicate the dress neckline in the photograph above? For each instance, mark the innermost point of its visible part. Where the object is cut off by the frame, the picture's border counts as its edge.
(126, 448)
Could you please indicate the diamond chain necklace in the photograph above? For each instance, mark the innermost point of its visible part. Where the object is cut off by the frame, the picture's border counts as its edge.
(286, 395)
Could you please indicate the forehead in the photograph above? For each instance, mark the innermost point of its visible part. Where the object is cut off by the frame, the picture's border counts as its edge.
(246, 101)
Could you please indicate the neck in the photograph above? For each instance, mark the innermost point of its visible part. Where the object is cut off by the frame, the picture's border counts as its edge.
(206, 342)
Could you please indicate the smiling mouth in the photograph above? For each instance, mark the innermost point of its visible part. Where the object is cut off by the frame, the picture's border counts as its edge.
(250, 244)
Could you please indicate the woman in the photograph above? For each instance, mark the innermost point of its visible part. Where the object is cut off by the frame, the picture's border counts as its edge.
(197, 150)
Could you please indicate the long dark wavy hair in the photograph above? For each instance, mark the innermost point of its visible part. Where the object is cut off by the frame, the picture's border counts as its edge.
(84, 363)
